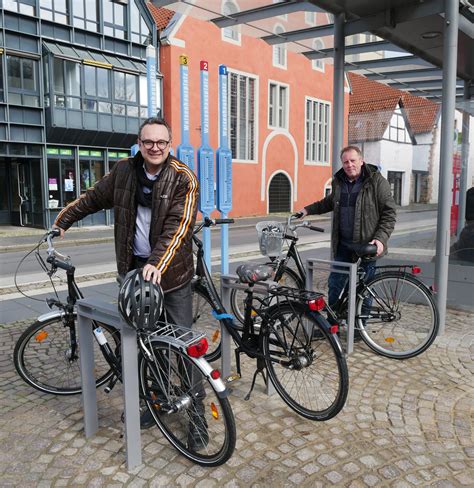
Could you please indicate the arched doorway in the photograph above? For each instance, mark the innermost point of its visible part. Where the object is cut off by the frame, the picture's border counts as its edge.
(279, 194)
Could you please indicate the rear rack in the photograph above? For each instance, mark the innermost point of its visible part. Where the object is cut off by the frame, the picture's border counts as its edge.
(295, 293)
(184, 337)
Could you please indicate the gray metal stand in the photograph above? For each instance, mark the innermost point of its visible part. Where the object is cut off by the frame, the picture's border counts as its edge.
(230, 282)
(89, 309)
(351, 271)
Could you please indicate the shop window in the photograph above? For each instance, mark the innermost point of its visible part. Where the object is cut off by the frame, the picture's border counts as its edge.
(91, 172)
(61, 181)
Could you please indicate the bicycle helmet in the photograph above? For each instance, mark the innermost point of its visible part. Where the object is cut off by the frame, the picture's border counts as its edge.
(140, 302)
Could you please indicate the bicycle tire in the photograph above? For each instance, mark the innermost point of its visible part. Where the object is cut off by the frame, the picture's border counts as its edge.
(204, 320)
(397, 315)
(41, 357)
(305, 361)
(170, 386)
(289, 278)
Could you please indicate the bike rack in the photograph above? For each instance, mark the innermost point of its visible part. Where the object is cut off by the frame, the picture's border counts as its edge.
(89, 309)
(351, 271)
(231, 282)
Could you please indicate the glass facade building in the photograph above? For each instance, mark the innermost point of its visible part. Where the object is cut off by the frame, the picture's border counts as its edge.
(73, 93)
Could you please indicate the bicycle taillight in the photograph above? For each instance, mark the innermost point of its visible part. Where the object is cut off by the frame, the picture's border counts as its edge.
(415, 270)
(198, 349)
(317, 304)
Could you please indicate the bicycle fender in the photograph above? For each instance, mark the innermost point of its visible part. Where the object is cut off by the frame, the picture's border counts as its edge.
(206, 368)
(50, 315)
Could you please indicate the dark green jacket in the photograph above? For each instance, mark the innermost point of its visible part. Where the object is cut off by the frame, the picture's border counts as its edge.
(375, 213)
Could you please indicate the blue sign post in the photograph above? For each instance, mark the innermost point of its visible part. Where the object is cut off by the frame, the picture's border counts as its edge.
(205, 163)
(224, 168)
(151, 79)
(185, 151)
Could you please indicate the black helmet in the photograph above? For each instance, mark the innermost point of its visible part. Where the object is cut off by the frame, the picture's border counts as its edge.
(140, 301)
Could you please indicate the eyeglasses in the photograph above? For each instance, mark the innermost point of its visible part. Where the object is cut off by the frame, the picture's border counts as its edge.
(149, 144)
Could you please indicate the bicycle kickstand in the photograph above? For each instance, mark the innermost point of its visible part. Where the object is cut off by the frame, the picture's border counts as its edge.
(260, 368)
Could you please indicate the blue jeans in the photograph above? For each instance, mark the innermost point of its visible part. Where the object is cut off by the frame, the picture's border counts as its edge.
(337, 281)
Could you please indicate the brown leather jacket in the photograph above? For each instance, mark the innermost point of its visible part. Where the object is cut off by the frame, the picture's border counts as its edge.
(174, 207)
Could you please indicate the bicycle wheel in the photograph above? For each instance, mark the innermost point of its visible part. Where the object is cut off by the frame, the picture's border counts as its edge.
(204, 321)
(237, 297)
(43, 357)
(192, 415)
(397, 316)
(305, 362)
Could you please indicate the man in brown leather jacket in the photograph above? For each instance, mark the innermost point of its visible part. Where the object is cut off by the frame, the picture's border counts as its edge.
(154, 197)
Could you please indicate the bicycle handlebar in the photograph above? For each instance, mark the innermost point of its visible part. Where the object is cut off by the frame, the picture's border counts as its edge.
(207, 222)
(304, 223)
(55, 257)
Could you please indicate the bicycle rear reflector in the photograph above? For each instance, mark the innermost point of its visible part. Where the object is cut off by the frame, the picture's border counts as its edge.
(317, 304)
(41, 336)
(334, 329)
(214, 411)
(215, 336)
(415, 270)
(198, 349)
(215, 374)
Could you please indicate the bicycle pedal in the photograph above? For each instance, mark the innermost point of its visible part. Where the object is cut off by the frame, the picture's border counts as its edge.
(233, 377)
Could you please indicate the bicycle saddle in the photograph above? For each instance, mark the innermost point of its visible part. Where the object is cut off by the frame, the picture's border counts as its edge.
(364, 250)
(251, 272)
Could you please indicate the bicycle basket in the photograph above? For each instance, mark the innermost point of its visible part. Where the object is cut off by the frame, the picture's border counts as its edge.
(270, 237)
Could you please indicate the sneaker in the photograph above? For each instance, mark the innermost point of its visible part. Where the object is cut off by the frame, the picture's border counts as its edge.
(198, 437)
(146, 420)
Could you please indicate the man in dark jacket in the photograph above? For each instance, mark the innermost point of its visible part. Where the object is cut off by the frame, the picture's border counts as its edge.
(154, 197)
(363, 212)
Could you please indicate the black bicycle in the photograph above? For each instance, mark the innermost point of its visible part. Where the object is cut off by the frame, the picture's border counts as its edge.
(396, 314)
(171, 364)
(285, 333)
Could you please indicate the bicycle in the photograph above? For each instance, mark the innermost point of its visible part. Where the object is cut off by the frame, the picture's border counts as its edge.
(170, 364)
(404, 319)
(285, 333)
(272, 235)
(395, 313)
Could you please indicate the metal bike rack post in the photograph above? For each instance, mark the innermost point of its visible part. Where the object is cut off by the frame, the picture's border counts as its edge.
(231, 282)
(351, 271)
(89, 309)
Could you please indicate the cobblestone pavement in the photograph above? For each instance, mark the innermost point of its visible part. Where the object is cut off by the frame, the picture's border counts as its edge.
(405, 424)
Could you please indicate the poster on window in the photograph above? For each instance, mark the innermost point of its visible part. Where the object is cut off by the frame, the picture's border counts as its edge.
(68, 185)
(52, 184)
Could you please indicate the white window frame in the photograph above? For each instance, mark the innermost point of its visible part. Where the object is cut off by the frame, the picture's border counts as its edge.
(236, 37)
(284, 16)
(310, 17)
(396, 126)
(282, 111)
(279, 51)
(318, 64)
(256, 119)
(318, 143)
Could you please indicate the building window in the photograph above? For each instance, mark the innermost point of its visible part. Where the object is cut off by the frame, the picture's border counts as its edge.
(115, 15)
(55, 10)
(279, 50)
(318, 63)
(22, 81)
(231, 34)
(278, 106)
(397, 130)
(67, 84)
(139, 30)
(61, 181)
(126, 94)
(91, 171)
(86, 14)
(96, 89)
(242, 103)
(22, 6)
(1, 79)
(317, 131)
